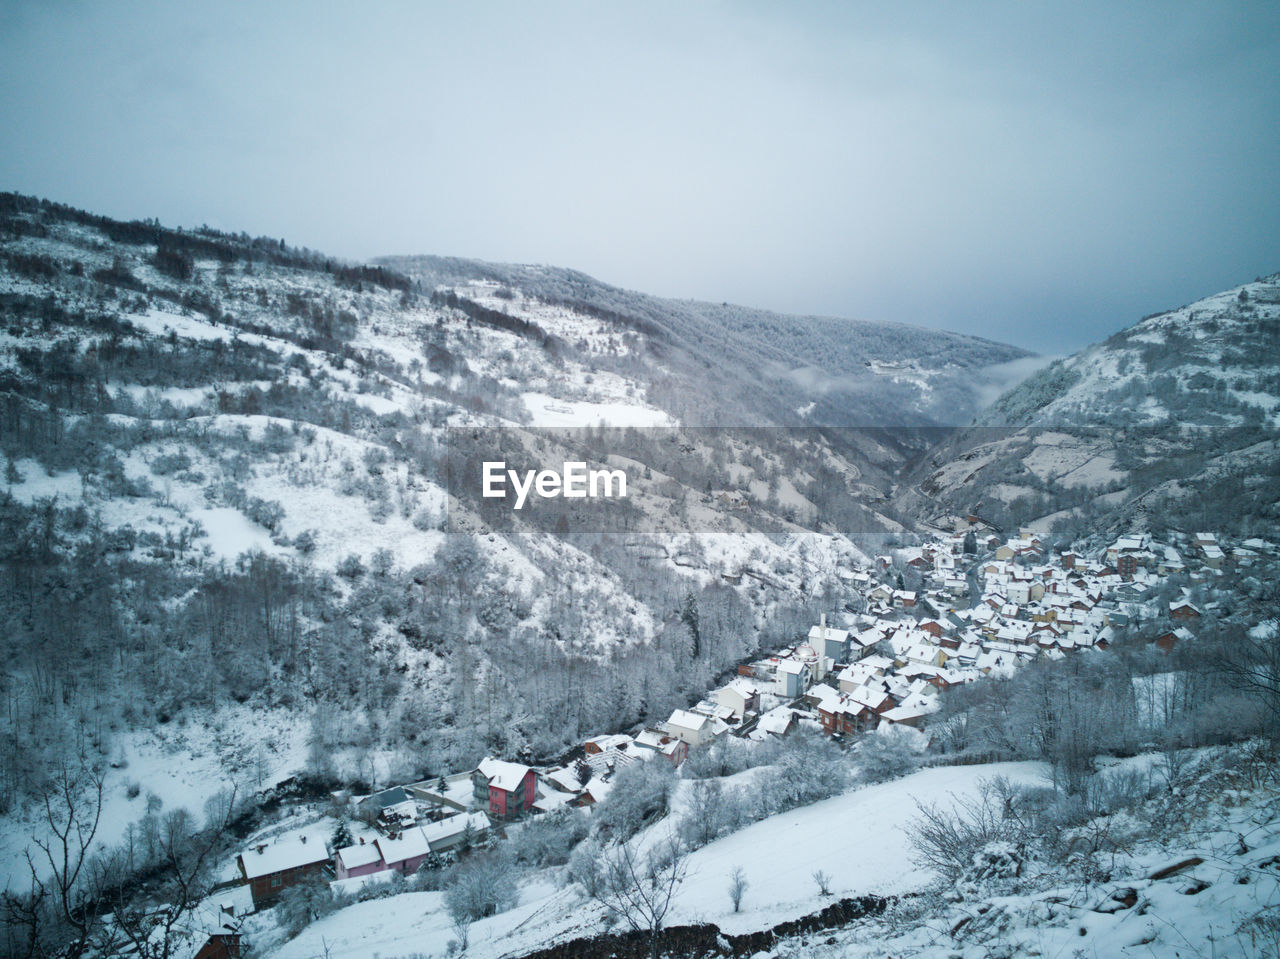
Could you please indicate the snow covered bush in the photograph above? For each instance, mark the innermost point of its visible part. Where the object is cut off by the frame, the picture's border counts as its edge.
(804, 768)
(889, 754)
(306, 902)
(641, 794)
(947, 836)
(483, 885)
(549, 840)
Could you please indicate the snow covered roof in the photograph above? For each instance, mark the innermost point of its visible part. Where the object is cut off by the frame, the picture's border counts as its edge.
(405, 845)
(280, 855)
(776, 721)
(612, 741)
(687, 720)
(825, 695)
(361, 854)
(504, 775)
(650, 739)
(444, 829)
(820, 633)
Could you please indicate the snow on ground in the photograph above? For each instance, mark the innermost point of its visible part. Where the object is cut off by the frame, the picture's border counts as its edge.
(417, 924)
(228, 532)
(36, 484)
(163, 322)
(545, 410)
(183, 764)
(859, 839)
(1070, 462)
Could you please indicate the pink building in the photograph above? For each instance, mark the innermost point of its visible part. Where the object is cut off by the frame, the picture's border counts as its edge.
(359, 860)
(404, 851)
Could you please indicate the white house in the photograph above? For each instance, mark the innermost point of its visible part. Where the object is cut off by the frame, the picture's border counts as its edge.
(690, 727)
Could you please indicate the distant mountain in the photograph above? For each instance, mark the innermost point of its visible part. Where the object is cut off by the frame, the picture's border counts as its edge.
(1173, 421)
(722, 364)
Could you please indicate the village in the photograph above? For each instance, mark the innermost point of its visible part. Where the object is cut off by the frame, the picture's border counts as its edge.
(885, 664)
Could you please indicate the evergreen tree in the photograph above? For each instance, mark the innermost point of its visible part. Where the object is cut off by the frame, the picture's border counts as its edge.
(689, 616)
(342, 837)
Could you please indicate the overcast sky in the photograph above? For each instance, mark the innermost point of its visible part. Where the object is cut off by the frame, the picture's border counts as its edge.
(1037, 174)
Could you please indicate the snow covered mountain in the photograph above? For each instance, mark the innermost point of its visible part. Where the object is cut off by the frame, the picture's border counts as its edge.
(235, 461)
(243, 540)
(1160, 425)
(722, 364)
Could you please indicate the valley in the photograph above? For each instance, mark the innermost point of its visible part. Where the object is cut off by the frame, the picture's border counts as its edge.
(259, 604)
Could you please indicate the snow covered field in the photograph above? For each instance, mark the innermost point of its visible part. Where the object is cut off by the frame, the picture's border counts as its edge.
(857, 838)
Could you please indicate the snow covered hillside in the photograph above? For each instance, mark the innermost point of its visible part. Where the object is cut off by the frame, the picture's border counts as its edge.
(857, 838)
(1162, 422)
(227, 486)
(726, 365)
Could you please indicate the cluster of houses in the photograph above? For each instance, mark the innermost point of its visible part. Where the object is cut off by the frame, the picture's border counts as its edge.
(393, 831)
(886, 665)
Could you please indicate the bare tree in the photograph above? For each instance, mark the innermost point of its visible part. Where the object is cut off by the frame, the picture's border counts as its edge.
(52, 917)
(479, 887)
(640, 888)
(737, 887)
(823, 881)
(1250, 663)
(160, 926)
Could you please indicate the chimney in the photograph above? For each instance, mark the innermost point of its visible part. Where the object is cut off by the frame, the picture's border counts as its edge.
(362, 840)
(262, 847)
(824, 625)
(304, 839)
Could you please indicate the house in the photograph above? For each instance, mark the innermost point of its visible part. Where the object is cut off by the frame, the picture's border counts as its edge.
(741, 695)
(361, 859)
(830, 642)
(598, 745)
(933, 628)
(210, 931)
(795, 676)
(659, 743)
(689, 727)
(880, 595)
(1167, 640)
(778, 721)
(449, 833)
(404, 851)
(844, 717)
(220, 945)
(1183, 610)
(373, 806)
(505, 789)
(862, 643)
(912, 712)
(271, 868)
